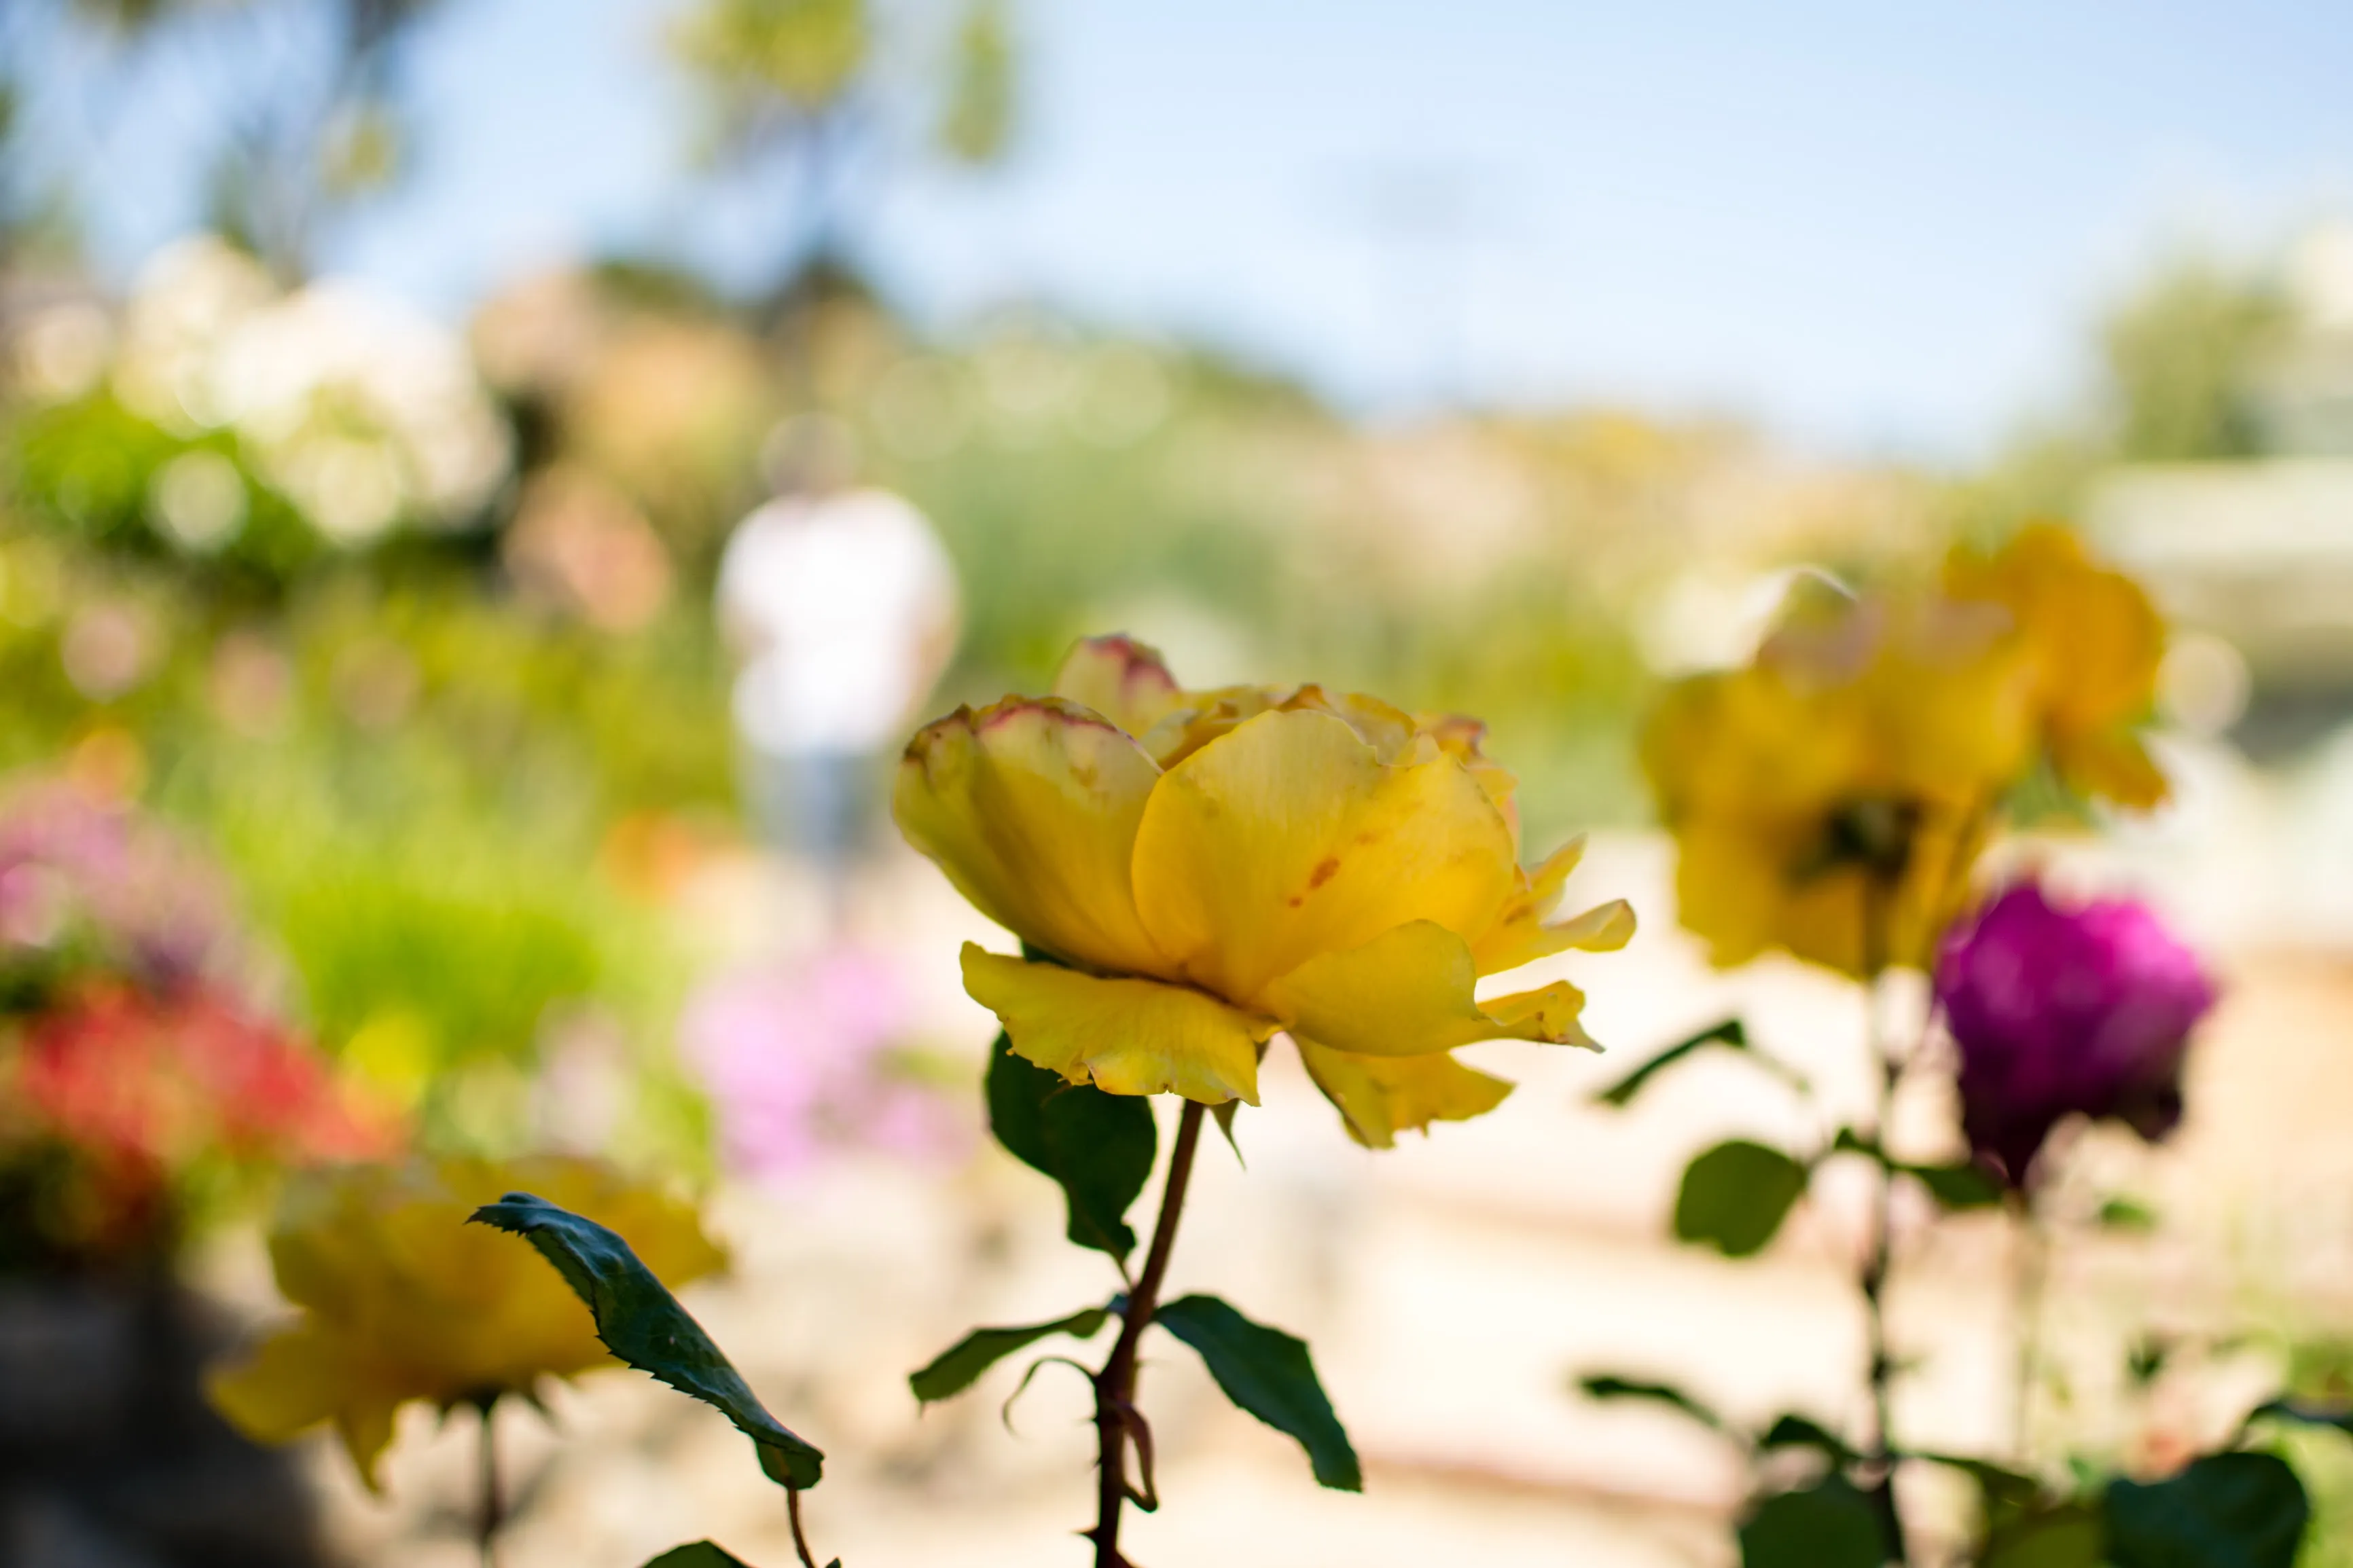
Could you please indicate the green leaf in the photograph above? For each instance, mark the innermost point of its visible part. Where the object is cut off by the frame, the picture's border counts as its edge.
(1732, 1034)
(1960, 1185)
(1827, 1525)
(1792, 1431)
(960, 1365)
(1099, 1147)
(642, 1323)
(2226, 1510)
(2128, 1214)
(1736, 1195)
(2303, 1415)
(701, 1554)
(1608, 1386)
(1269, 1374)
(2022, 1526)
(2053, 1535)
(1224, 1115)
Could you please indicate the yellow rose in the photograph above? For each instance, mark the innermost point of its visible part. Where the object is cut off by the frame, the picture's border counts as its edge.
(1829, 797)
(2096, 642)
(402, 1299)
(1206, 869)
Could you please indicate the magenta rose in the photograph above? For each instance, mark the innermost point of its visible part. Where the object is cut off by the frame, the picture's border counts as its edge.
(2061, 1012)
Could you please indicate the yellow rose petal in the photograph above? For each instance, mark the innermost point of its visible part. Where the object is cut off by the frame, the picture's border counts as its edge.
(1521, 935)
(1126, 1036)
(1031, 808)
(290, 1382)
(1408, 993)
(1289, 837)
(1121, 678)
(1380, 1097)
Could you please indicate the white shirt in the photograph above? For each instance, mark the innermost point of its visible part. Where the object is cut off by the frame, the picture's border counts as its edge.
(846, 602)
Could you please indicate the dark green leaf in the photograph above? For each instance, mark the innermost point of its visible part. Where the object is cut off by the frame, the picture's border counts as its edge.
(1960, 1185)
(1099, 1147)
(1269, 1374)
(2303, 1414)
(2070, 1534)
(1732, 1034)
(1827, 1525)
(1608, 1386)
(701, 1554)
(962, 1364)
(1850, 1142)
(2128, 1214)
(1789, 1431)
(1225, 1118)
(2023, 1527)
(642, 1323)
(2147, 1359)
(1736, 1195)
(2226, 1510)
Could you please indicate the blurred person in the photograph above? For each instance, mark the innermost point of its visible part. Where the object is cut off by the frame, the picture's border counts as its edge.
(841, 607)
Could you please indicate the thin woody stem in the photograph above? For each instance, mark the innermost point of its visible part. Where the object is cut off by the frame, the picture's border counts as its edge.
(1887, 1071)
(491, 1515)
(1116, 1383)
(2032, 1277)
(800, 1540)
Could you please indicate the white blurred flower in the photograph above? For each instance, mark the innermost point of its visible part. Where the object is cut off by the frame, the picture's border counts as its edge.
(198, 500)
(365, 412)
(186, 303)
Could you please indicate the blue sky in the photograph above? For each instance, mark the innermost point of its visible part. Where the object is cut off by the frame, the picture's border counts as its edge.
(1877, 227)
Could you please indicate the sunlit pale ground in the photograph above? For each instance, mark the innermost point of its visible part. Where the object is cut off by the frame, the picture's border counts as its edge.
(1452, 1288)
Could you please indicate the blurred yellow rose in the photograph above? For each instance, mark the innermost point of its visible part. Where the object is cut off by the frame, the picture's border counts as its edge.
(402, 1299)
(2095, 642)
(1829, 797)
(1205, 869)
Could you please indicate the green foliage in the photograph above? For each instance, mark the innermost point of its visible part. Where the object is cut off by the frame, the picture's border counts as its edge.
(2225, 1510)
(959, 1366)
(1827, 1525)
(2297, 1413)
(2182, 354)
(1610, 1386)
(1962, 1185)
(1959, 1185)
(1734, 1196)
(2070, 1534)
(2126, 1215)
(641, 1322)
(800, 56)
(1731, 1035)
(701, 1554)
(1098, 1147)
(1793, 1431)
(1269, 1374)
(976, 123)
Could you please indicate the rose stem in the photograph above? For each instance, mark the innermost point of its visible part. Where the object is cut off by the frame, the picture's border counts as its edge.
(2032, 1278)
(1877, 899)
(800, 1540)
(492, 1516)
(1116, 1383)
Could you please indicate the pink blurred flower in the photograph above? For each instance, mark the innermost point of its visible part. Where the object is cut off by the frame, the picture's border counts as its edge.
(798, 1062)
(2063, 1011)
(84, 882)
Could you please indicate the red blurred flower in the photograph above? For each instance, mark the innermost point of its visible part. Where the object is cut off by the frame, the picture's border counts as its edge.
(150, 1084)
